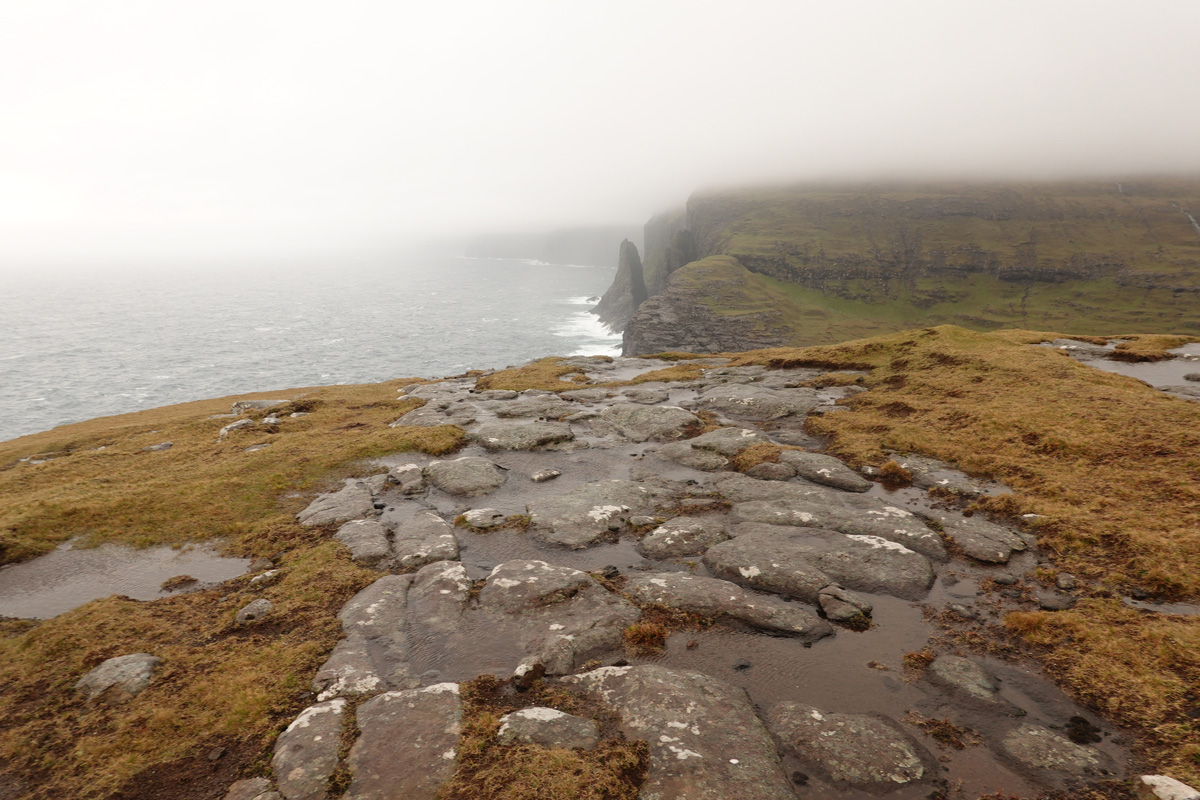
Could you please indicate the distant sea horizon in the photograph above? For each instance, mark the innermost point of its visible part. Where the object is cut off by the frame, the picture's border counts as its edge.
(89, 344)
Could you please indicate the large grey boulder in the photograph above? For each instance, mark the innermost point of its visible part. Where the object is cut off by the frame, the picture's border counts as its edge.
(432, 415)
(549, 406)
(683, 536)
(747, 401)
(367, 541)
(522, 435)
(712, 597)
(588, 513)
(980, 539)
(794, 561)
(374, 655)
(729, 441)
(306, 753)
(639, 423)
(408, 744)
(468, 476)
(118, 680)
(1044, 750)
(548, 727)
(827, 470)
(693, 457)
(559, 617)
(706, 742)
(352, 501)
(864, 750)
(424, 539)
(966, 678)
(252, 789)
(814, 506)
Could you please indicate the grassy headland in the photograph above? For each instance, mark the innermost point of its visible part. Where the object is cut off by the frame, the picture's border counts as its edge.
(827, 263)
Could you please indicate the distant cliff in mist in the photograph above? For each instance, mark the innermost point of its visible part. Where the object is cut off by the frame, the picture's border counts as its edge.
(816, 264)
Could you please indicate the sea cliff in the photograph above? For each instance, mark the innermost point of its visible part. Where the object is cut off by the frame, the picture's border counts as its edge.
(836, 261)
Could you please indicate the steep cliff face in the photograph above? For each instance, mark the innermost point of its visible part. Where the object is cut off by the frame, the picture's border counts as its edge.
(627, 292)
(683, 317)
(835, 261)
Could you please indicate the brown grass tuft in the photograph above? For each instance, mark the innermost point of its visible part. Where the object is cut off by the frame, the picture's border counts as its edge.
(891, 472)
(755, 454)
(645, 637)
(613, 771)
(542, 374)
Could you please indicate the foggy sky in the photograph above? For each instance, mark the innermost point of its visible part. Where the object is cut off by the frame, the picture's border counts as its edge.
(144, 130)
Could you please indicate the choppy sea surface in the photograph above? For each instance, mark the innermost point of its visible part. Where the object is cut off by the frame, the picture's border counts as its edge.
(83, 345)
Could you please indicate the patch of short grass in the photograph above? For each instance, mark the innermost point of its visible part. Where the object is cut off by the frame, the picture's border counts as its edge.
(545, 373)
(101, 486)
(219, 684)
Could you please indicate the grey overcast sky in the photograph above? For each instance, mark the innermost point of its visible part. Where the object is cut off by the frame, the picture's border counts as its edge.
(143, 130)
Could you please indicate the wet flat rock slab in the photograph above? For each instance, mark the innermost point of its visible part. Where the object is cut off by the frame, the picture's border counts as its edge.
(588, 512)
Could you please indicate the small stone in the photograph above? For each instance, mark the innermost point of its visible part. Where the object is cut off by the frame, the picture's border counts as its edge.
(1161, 787)
(484, 518)
(1053, 601)
(1041, 748)
(241, 424)
(216, 753)
(1066, 581)
(242, 406)
(1192, 376)
(549, 728)
(119, 679)
(250, 789)
(259, 564)
(1005, 579)
(254, 611)
(158, 448)
(742, 664)
(410, 478)
(642, 521)
(541, 476)
(769, 471)
(270, 576)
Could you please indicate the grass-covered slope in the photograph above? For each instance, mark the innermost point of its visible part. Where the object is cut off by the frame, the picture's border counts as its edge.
(221, 686)
(846, 261)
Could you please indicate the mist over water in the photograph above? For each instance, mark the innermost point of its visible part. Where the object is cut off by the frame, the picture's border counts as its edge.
(94, 345)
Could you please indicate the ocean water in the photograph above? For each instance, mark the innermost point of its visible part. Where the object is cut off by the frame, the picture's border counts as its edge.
(78, 346)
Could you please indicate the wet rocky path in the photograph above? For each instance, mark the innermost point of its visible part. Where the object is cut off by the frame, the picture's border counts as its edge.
(807, 661)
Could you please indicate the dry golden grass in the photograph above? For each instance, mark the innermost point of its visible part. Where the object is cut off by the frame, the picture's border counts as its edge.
(544, 374)
(102, 486)
(219, 685)
(1148, 347)
(1110, 464)
(755, 454)
(679, 372)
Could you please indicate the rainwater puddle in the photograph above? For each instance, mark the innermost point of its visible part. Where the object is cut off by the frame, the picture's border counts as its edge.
(1159, 374)
(1182, 609)
(68, 577)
